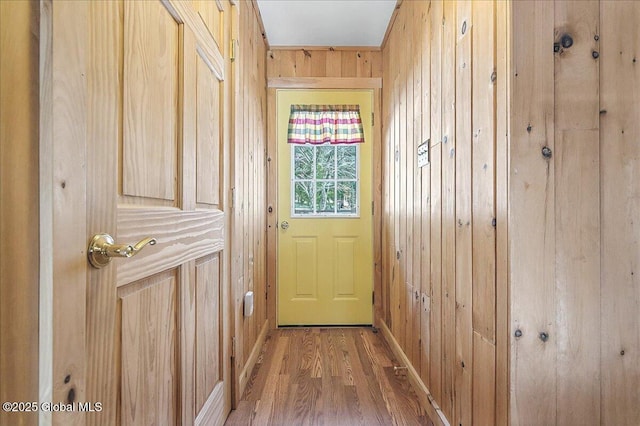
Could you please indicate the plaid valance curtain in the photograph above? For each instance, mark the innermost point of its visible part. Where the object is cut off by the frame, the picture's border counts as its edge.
(318, 124)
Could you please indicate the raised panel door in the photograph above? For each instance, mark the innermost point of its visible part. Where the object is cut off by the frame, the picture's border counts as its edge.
(157, 322)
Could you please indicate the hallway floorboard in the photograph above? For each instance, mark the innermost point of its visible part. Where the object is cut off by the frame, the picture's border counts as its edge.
(327, 376)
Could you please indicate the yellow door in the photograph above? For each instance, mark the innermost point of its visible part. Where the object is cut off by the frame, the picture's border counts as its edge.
(325, 249)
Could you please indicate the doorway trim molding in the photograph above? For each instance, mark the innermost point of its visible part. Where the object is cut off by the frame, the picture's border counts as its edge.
(273, 84)
(324, 83)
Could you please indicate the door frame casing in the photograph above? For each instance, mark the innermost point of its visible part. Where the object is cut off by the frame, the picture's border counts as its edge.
(19, 215)
(62, 184)
(310, 83)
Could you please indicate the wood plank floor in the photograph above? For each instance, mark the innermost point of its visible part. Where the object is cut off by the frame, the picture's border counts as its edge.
(327, 376)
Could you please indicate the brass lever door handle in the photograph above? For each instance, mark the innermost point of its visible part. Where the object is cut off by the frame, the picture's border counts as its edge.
(102, 248)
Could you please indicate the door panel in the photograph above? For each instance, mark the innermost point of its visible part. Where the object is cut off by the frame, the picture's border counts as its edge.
(159, 121)
(345, 270)
(212, 14)
(208, 330)
(305, 265)
(151, 67)
(325, 264)
(149, 393)
(208, 133)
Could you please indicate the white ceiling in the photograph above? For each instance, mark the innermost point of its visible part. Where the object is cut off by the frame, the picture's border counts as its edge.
(329, 23)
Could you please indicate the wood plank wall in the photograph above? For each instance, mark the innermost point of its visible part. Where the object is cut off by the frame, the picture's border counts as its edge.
(563, 252)
(324, 62)
(445, 81)
(19, 213)
(249, 183)
(574, 214)
(619, 213)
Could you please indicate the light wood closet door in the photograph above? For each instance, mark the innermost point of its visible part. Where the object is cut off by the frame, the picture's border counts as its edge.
(157, 323)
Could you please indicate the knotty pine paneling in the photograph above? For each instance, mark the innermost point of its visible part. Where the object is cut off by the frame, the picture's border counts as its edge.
(531, 217)
(463, 294)
(439, 83)
(435, 196)
(402, 271)
(577, 215)
(248, 272)
(424, 216)
(503, 61)
(324, 62)
(528, 234)
(573, 227)
(416, 97)
(448, 194)
(619, 89)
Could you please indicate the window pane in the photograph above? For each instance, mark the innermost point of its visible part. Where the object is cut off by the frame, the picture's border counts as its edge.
(326, 163)
(347, 197)
(303, 198)
(303, 162)
(325, 197)
(325, 180)
(347, 162)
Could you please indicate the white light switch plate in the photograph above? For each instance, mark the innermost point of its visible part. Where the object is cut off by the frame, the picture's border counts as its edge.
(423, 154)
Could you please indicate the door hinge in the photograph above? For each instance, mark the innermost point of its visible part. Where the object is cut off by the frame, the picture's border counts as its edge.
(373, 297)
(233, 347)
(234, 44)
(373, 119)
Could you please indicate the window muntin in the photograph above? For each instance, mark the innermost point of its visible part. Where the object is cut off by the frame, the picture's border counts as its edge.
(325, 180)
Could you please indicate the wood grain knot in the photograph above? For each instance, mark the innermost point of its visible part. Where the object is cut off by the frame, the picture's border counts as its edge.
(566, 41)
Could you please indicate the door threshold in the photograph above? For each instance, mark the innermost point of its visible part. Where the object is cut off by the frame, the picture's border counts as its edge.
(326, 326)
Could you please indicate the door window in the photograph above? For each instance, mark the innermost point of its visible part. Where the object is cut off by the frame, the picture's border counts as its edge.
(325, 180)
